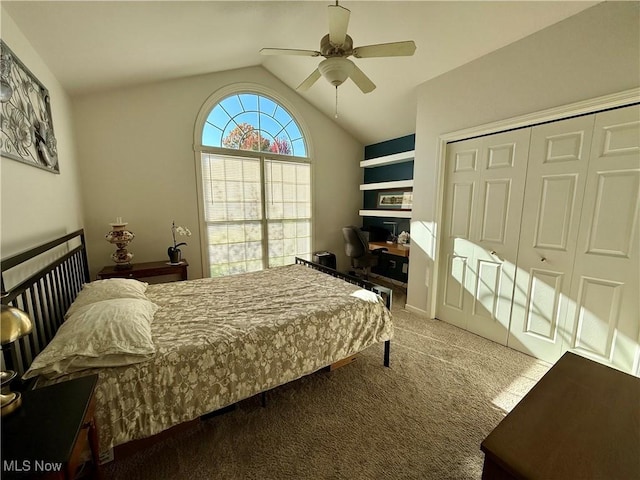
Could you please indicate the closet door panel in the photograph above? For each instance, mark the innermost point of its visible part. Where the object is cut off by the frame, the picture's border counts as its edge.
(543, 304)
(555, 211)
(462, 176)
(483, 202)
(598, 312)
(556, 177)
(604, 324)
(460, 218)
(496, 207)
(486, 300)
(454, 291)
(495, 224)
(613, 221)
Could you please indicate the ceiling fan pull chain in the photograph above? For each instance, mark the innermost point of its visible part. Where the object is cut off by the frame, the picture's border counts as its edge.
(336, 115)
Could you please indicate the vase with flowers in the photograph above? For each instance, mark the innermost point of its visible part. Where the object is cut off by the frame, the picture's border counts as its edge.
(175, 255)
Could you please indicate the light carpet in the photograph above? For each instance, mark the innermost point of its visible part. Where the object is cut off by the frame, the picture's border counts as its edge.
(423, 418)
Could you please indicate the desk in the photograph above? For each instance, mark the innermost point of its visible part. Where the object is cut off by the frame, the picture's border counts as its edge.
(393, 248)
(146, 270)
(581, 420)
(47, 435)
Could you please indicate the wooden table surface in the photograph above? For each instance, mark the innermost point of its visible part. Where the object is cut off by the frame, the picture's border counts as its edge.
(145, 270)
(581, 420)
(393, 248)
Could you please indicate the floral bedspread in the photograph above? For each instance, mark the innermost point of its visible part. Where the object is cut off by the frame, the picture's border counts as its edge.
(222, 340)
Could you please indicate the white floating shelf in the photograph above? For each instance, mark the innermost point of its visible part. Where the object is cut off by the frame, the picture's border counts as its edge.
(389, 159)
(386, 213)
(386, 185)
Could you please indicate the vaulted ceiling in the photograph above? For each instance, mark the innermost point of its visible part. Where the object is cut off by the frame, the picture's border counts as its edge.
(92, 45)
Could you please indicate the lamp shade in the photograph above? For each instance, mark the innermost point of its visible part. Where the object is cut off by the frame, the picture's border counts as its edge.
(14, 323)
(336, 70)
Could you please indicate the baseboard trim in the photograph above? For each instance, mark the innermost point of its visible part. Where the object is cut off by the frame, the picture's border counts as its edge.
(417, 311)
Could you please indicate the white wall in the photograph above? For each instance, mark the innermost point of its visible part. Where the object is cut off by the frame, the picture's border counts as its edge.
(594, 53)
(137, 162)
(38, 205)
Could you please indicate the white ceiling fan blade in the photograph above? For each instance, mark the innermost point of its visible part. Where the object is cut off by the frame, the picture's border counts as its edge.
(289, 51)
(361, 80)
(394, 49)
(310, 80)
(338, 23)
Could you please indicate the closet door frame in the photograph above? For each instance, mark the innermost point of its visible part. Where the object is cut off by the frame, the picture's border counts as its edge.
(593, 105)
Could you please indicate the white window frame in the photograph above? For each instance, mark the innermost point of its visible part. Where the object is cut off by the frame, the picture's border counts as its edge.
(199, 149)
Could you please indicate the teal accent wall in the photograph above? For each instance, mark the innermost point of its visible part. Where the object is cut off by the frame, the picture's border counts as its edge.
(403, 223)
(390, 266)
(389, 147)
(388, 173)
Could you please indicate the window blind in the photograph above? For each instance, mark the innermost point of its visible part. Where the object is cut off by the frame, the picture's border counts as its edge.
(242, 227)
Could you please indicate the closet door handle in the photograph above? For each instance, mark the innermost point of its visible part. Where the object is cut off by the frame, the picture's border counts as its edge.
(494, 254)
(542, 259)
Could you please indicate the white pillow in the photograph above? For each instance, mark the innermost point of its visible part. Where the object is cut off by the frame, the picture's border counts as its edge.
(110, 333)
(106, 290)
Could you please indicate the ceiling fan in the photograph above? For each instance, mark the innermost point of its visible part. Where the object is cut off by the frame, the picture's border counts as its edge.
(336, 47)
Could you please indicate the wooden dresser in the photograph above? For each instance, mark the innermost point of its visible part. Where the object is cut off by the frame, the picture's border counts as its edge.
(580, 421)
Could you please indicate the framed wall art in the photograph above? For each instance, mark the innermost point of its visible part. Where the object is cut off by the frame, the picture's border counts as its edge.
(395, 199)
(27, 127)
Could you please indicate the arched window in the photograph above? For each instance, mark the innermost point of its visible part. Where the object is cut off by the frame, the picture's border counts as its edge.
(256, 185)
(247, 121)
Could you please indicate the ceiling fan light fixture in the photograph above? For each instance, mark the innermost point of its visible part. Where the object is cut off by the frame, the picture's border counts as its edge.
(335, 47)
(336, 70)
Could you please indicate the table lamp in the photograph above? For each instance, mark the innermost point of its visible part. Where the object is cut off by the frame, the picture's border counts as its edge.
(14, 323)
(121, 237)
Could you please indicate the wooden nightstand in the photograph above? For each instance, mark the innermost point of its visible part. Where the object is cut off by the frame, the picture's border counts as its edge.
(48, 434)
(146, 270)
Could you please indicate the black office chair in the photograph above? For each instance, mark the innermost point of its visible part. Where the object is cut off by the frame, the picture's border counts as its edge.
(357, 249)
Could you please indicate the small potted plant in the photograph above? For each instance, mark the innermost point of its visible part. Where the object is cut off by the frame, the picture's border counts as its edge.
(175, 255)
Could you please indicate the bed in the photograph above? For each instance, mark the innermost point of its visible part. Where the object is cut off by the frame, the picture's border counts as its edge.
(217, 341)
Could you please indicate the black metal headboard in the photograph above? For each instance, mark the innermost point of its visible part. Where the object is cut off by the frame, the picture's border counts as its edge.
(46, 294)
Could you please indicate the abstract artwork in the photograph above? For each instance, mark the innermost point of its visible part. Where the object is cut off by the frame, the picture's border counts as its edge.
(27, 127)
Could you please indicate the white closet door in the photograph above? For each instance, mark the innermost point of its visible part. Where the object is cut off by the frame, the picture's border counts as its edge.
(462, 178)
(485, 188)
(604, 321)
(556, 177)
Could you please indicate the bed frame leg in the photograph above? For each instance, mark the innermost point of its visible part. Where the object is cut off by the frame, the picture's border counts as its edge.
(387, 352)
(263, 399)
